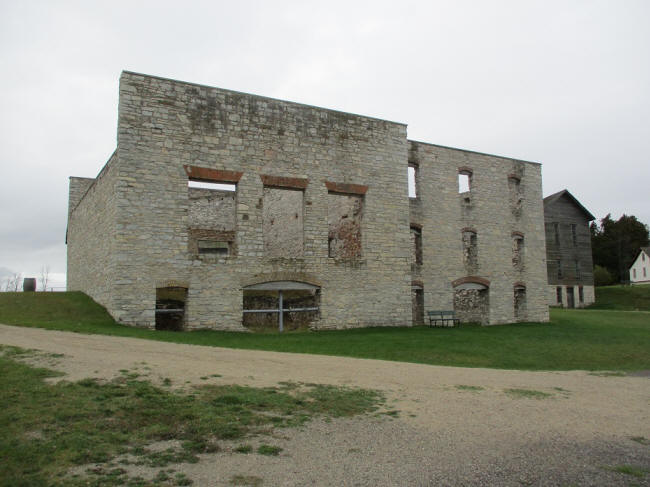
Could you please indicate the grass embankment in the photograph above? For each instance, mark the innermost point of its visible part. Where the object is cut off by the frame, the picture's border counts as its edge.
(49, 428)
(574, 339)
(623, 298)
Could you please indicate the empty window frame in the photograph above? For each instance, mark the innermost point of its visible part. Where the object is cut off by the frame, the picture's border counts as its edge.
(517, 250)
(558, 294)
(519, 302)
(344, 217)
(560, 273)
(515, 196)
(464, 180)
(217, 247)
(634, 273)
(416, 244)
(470, 249)
(215, 186)
(644, 274)
(212, 212)
(283, 222)
(412, 180)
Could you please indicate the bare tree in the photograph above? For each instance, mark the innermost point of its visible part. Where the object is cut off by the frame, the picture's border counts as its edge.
(45, 277)
(14, 282)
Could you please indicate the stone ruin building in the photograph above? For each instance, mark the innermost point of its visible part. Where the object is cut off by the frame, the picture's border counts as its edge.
(219, 208)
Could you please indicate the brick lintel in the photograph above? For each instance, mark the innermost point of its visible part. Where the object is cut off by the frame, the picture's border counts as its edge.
(359, 189)
(206, 174)
(284, 182)
(471, 279)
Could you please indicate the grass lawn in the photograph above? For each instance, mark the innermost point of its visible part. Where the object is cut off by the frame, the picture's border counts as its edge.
(574, 339)
(630, 298)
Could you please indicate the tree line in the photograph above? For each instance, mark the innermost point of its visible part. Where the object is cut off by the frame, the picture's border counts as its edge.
(615, 244)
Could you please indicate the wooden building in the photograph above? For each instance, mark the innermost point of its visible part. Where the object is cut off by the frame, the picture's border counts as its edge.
(568, 251)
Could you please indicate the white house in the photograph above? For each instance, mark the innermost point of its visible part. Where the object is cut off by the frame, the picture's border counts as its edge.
(640, 269)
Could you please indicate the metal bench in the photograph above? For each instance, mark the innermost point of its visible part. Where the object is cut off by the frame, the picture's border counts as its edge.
(442, 318)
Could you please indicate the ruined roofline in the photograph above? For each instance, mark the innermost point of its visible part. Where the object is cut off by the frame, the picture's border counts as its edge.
(305, 105)
(95, 179)
(475, 152)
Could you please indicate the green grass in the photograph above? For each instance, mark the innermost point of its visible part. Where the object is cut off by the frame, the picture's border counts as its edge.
(48, 428)
(637, 472)
(574, 339)
(462, 387)
(623, 298)
(527, 394)
(270, 450)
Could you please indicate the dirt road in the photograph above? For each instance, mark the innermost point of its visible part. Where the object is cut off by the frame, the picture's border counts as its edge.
(446, 433)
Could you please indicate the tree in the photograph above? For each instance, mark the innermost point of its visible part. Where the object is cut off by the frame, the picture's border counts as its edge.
(615, 243)
(14, 282)
(45, 277)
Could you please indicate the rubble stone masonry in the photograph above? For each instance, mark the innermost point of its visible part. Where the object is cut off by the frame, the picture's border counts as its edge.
(134, 228)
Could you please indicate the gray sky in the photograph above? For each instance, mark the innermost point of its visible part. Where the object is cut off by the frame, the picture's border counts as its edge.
(564, 83)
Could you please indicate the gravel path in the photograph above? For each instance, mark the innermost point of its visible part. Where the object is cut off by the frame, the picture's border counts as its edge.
(444, 435)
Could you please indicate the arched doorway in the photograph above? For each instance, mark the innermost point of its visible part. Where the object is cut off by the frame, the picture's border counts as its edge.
(472, 300)
(281, 305)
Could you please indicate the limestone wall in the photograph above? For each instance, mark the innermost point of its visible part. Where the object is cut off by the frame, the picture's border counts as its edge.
(91, 235)
(165, 125)
(321, 197)
(494, 208)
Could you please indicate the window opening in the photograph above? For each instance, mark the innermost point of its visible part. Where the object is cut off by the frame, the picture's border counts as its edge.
(464, 181)
(574, 235)
(520, 303)
(417, 299)
(577, 269)
(170, 308)
(412, 181)
(287, 305)
(213, 247)
(581, 294)
(416, 245)
(558, 294)
(560, 273)
(634, 273)
(517, 251)
(644, 275)
(344, 215)
(283, 222)
(212, 218)
(211, 185)
(470, 250)
(514, 187)
(556, 230)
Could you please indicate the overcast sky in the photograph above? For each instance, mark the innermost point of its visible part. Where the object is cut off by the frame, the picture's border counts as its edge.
(563, 83)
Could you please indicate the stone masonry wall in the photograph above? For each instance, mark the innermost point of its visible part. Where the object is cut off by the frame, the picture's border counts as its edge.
(165, 124)
(90, 235)
(494, 213)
